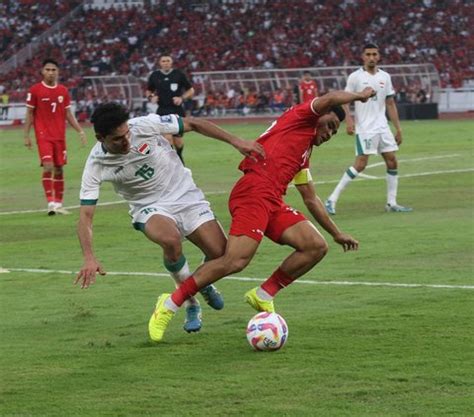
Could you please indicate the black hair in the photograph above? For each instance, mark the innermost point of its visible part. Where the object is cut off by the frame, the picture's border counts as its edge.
(107, 117)
(340, 113)
(370, 45)
(307, 72)
(50, 61)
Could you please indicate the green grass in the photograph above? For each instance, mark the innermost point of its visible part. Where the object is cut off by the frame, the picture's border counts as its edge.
(352, 350)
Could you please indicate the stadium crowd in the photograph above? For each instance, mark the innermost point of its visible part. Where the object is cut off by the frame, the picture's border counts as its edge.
(236, 35)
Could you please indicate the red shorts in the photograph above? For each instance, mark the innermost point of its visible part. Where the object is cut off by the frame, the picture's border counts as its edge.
(52, 151)
(256, 212)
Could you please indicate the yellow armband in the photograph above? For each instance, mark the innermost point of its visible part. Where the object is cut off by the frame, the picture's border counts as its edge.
(303, 177)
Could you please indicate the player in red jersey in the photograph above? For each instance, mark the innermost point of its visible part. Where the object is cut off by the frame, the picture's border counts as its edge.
(48, 107)
(257, 208)
(308, 88)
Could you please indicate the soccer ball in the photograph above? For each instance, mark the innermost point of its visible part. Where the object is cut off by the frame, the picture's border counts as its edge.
(267, 331)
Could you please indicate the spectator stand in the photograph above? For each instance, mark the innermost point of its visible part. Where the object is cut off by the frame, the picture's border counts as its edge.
(272, 90)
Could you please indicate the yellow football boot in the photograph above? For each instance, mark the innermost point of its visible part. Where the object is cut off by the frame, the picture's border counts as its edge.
(160, 319)
(257, 303)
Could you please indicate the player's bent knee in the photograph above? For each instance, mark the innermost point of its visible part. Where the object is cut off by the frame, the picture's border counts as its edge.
(317, 250)
(171, 247)
(235, 265)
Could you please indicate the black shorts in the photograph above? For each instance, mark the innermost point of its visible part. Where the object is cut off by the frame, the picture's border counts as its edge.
(163, 111)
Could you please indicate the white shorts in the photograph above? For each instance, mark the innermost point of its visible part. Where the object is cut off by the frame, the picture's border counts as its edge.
(188, 217)
(375, 144)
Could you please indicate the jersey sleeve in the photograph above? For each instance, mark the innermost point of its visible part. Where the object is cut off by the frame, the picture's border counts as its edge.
(90, 184)
(351, 85)
(306, 112)
(153, 124)
(151, 84)
(185, 82)
(67, 99)
(31, 98)
(390, 89)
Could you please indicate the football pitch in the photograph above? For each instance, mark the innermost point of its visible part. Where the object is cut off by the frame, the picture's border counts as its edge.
(385, 331)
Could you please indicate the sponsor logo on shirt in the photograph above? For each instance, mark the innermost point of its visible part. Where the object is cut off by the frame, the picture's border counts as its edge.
(202, 213)
(117, 170)
(257, 231)
(45, 99)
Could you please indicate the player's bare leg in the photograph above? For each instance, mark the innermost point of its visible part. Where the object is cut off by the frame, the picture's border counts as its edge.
(163, 231)
(361, 162)
(310, 248)
(210, 238)
(239, 252)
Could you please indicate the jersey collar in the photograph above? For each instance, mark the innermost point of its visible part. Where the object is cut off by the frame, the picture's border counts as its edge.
(49, 86)
(363, 69)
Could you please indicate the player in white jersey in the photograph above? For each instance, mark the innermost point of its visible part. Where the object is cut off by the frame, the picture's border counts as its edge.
(165, 204)
(373, 134)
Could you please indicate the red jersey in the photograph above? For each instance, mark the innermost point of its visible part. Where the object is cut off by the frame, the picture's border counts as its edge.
(309, 90)
(49, 104)
(288, 143)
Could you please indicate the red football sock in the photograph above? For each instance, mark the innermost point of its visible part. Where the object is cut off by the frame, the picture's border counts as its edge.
(58, 184)
(48, 186)
(276, 282)
(187, 289)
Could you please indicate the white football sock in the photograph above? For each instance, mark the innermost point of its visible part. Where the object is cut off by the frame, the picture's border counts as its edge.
(180, 275)
(262, 294)
(170, 305)
(348, 176)
(392, 186)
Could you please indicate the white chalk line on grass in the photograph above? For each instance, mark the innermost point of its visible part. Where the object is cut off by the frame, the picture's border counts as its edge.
(361, 177)
(253, 279)
(425, 158)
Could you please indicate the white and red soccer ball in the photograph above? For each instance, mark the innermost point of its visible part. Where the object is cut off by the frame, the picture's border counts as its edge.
(267, 331)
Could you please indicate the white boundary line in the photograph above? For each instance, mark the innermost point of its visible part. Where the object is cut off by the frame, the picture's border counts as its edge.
(425, 158)
(365, 176)
(253, 279)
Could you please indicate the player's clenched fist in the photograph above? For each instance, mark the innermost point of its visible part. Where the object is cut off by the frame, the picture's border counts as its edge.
(366, 93)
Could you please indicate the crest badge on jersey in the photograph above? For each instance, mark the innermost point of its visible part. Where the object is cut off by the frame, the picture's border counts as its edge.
(166, 119)
(144, 149)
(174, 86)
(60, 99)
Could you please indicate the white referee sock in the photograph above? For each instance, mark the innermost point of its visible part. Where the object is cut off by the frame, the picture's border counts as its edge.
(348, 176)
(392, 186)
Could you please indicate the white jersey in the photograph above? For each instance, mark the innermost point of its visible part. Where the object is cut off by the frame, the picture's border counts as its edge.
(151, 172)
(370, 116)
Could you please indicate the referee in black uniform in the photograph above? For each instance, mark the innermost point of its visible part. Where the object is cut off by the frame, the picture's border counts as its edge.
(172, 88)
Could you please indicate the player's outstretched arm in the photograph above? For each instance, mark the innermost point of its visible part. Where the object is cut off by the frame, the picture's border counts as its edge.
(207, 128)
(350, 126)
(91, 266)
(316, 207)
(336, 98)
